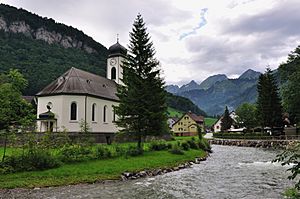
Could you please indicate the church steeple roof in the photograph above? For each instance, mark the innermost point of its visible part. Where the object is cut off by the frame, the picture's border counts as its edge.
(117, 50)
(79, 82)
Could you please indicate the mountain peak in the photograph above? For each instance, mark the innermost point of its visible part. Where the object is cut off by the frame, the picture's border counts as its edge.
(190, 86)
(207, 83)
(250, 74)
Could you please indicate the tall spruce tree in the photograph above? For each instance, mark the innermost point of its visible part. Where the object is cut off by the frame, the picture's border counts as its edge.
(268, 102)
(142, 108)
(226, 120)
(290, 79)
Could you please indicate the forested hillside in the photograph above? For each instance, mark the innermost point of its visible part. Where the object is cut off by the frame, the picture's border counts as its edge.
(183, 104)
(43, 50)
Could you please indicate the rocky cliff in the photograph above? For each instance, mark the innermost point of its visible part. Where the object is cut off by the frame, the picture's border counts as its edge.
(51, 37)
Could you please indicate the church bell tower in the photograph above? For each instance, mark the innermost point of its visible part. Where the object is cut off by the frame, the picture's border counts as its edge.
(117, 54)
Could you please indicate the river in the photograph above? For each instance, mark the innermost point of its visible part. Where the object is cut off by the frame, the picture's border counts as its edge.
(230, 172)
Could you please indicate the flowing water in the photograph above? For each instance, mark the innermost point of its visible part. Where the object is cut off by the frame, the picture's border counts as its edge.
(230, 172)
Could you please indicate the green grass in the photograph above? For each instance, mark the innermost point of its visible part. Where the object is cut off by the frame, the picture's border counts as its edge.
(174, 113)
(209, 121)
(97, 170)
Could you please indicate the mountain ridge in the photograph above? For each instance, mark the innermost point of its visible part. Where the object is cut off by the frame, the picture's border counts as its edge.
(222, 92)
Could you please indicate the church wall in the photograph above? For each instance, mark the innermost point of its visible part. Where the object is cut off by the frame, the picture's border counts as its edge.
(99, 125)
(62, 109)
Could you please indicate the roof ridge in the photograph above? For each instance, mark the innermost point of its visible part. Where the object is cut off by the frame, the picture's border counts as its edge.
(79, 79)
(67, 78)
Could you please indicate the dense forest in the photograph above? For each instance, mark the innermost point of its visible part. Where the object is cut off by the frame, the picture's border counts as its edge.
(41, 63)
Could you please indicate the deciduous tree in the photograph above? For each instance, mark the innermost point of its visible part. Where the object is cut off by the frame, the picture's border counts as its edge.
(247, 115)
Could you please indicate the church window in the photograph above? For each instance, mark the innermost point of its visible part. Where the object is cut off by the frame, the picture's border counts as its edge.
(73, 111)
(113, 73)
(93, 112)
(104, 113)
(114, 114)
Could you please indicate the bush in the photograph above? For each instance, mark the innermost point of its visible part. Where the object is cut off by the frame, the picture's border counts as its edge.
(158, 145)
(120, 151)
(193, 144)
(29, 161)
(102, 152)
(134, 151)
(185, 145)
(75, 153)
(176, 150)
(204, 145)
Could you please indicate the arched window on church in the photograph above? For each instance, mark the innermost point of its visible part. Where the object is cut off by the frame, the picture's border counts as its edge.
(113, 73)
(73, 115)
(114, 114)
(93, 112)
(104, 113)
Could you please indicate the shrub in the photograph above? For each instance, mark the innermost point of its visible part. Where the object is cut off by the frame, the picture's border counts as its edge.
(176, 150)
(75, 153)
(185, 145)
(102, 152)
(158, 145)
(193, 144)
(204, 145)
(29, 161)
(120, 150)
(134, 151)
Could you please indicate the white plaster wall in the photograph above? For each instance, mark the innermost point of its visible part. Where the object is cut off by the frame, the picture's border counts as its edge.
(99, 125)
(62, 110)
(218, 123)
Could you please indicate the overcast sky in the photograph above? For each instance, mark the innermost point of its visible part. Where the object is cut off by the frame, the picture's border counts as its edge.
(193, 38)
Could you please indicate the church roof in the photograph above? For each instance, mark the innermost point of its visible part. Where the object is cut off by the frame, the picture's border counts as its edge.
(117, 50)
(79, 82)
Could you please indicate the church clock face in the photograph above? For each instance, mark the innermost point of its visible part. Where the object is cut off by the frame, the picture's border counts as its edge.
(113, 62)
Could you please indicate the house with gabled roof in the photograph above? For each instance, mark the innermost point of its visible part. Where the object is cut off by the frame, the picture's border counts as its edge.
(218, 124)
(188, 125)
(78, 96)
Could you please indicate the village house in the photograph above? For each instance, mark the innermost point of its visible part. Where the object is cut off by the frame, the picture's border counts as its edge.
(78, 96)
(187, 125)
(218, 123)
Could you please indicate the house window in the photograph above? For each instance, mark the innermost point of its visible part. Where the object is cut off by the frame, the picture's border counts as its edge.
(104, 113)
(113, 73)
(93, 112)
(73, 111)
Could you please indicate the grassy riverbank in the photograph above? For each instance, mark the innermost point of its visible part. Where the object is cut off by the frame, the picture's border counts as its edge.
(96, 170)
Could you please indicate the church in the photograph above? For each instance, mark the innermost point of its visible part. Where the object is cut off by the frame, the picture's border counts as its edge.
(78, 96)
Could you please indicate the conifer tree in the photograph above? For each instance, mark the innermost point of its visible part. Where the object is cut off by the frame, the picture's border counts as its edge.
(142, 108)
(226, 120)
(268, 102)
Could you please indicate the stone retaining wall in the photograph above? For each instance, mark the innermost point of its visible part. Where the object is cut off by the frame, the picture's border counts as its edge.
(253, 143)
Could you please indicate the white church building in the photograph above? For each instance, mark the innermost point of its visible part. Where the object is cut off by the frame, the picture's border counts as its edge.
(78, 96)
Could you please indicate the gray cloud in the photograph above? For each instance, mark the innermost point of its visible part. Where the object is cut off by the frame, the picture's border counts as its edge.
(250, 42)
(282, 19)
